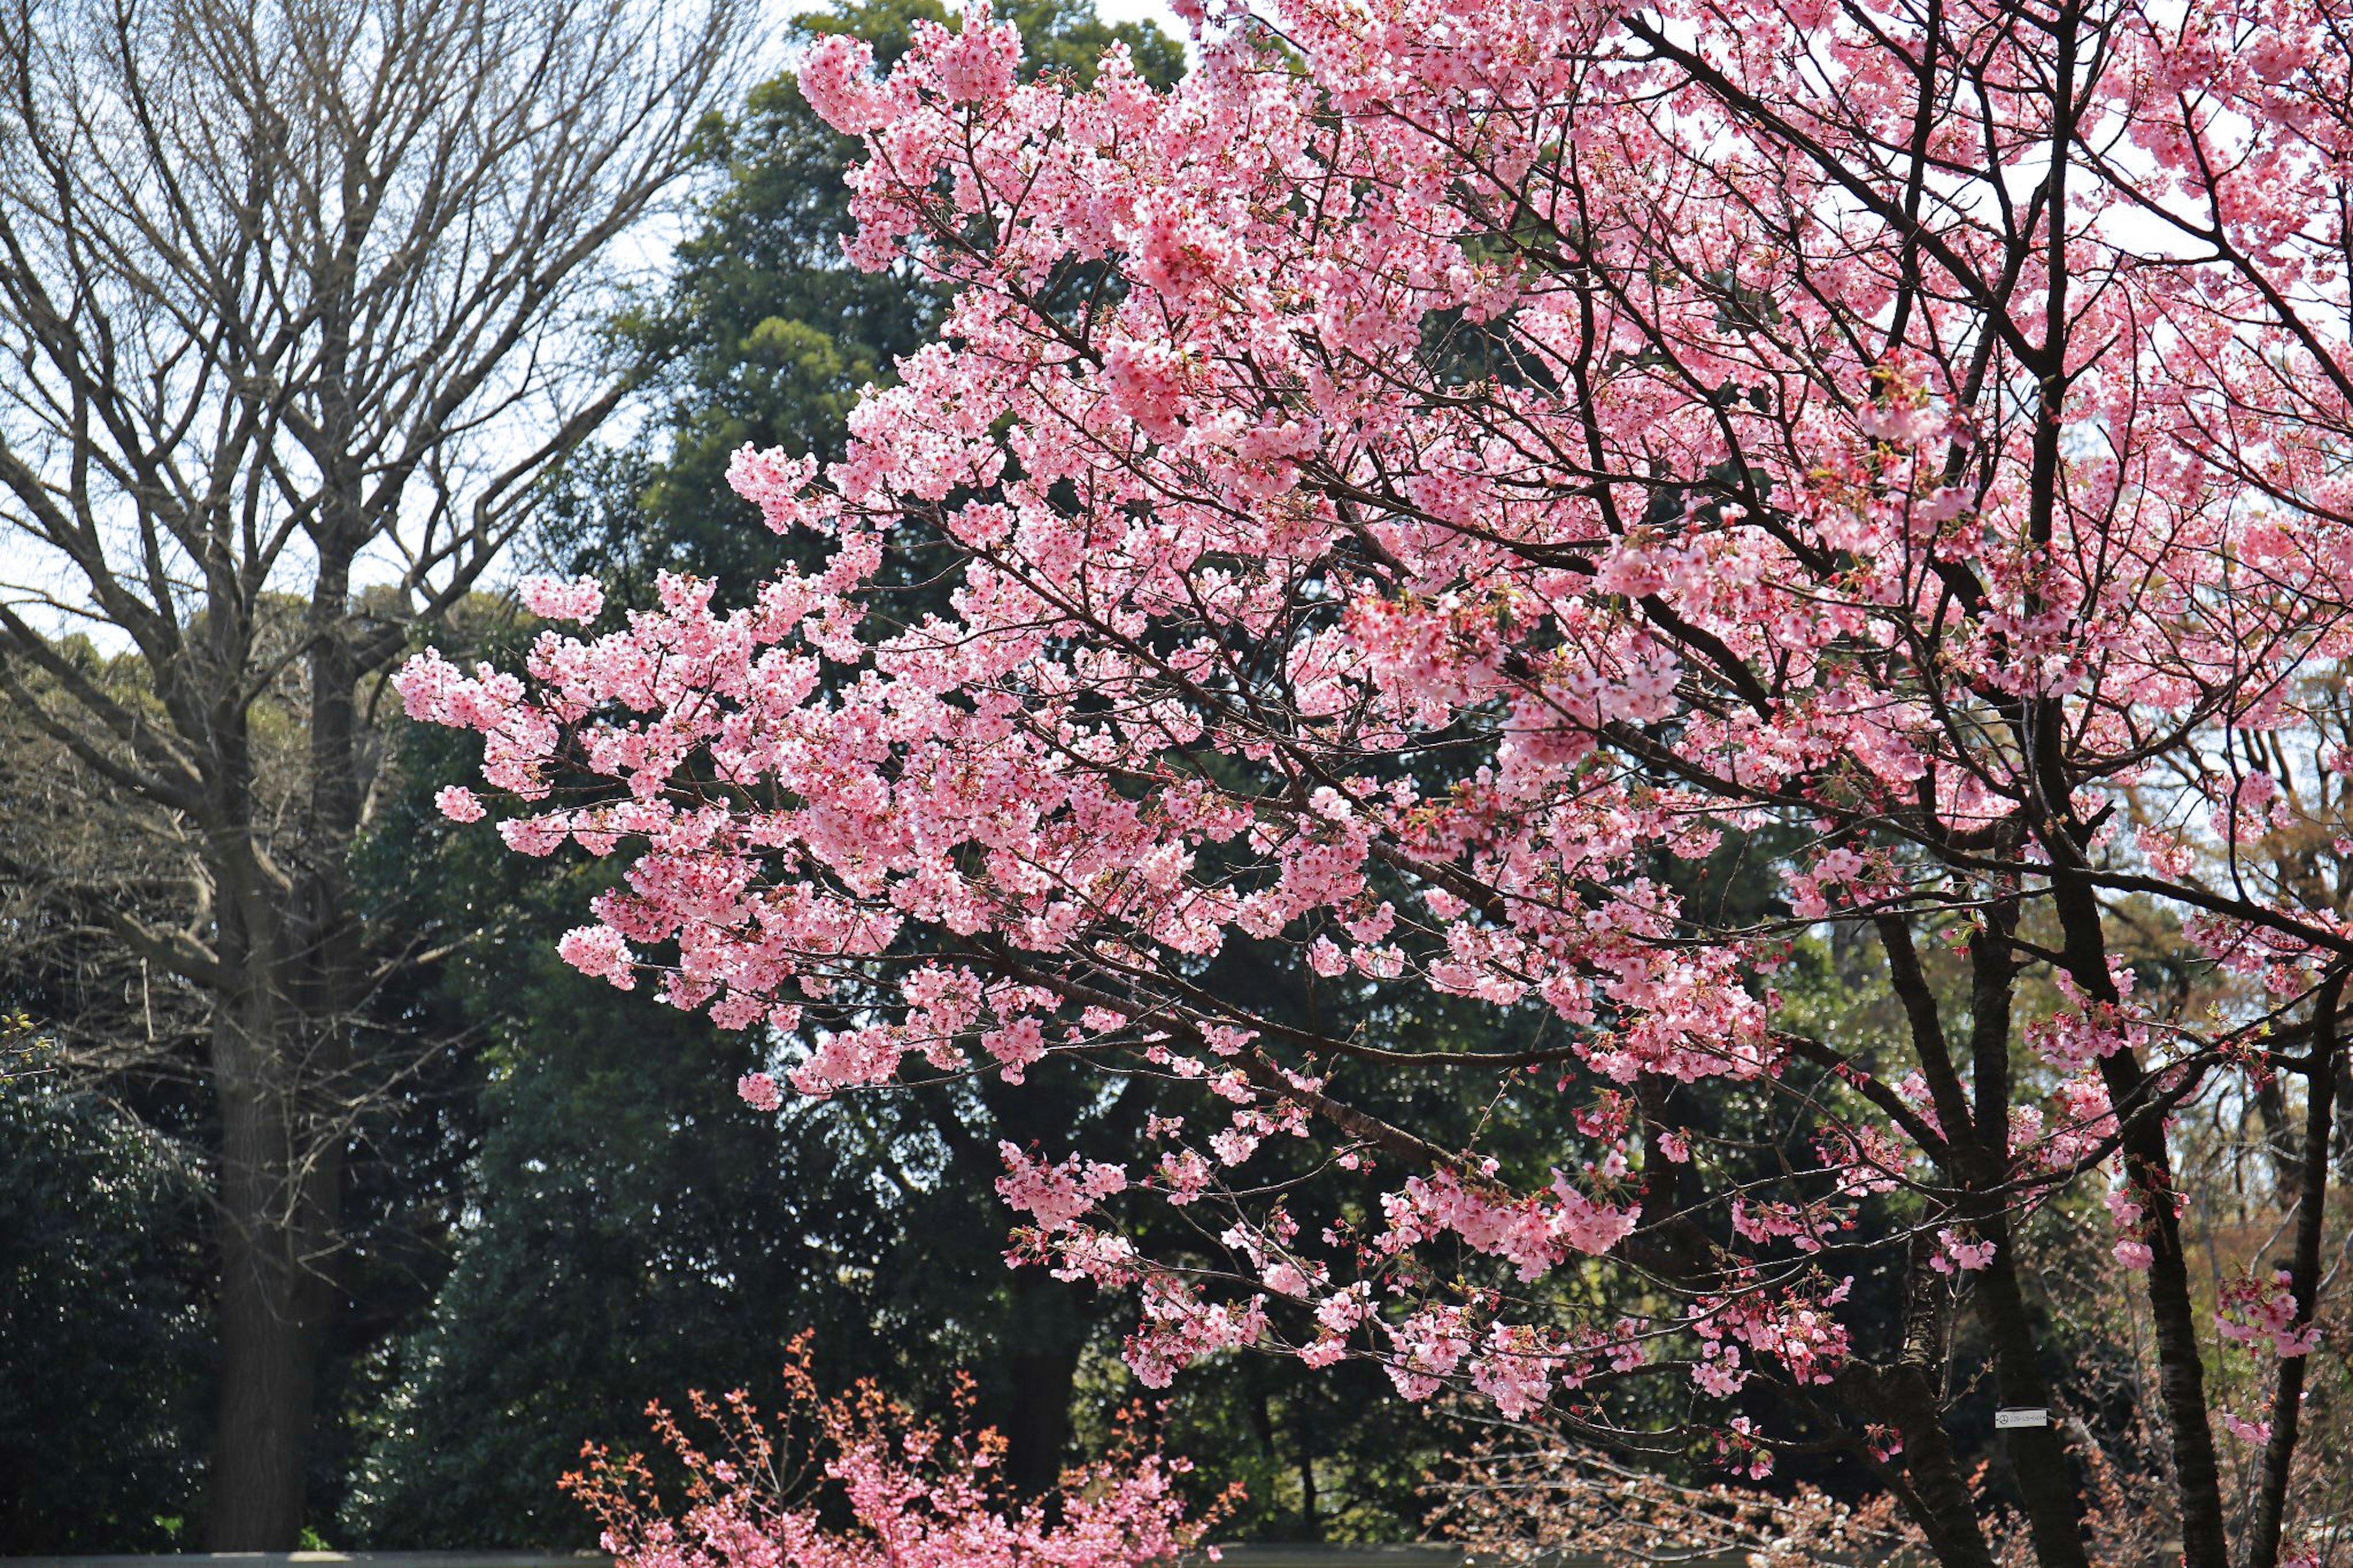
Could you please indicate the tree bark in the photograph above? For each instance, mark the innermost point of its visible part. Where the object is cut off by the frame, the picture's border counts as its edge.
(1935, 1494)
(1978, 1140)
(2181, 1374)
(279, 1212)
(2038, 1460)
(2304, 1275)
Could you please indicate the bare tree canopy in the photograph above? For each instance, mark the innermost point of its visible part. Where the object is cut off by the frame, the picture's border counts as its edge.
(298, 300)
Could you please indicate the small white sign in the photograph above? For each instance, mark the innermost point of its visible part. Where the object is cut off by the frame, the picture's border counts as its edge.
(2021, 1415)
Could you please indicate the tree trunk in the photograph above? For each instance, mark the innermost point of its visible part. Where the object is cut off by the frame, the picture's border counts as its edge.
(283, 1056)
(2149, 1163)
(1934, 1492)
(1049, 1331)
(2311, 1191)
(1978, 1162)
(280, 1194)
(281, 1059)
(2038, 1460)
(1302, 1438)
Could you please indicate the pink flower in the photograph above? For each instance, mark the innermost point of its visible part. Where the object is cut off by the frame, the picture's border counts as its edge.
(1148, 383)
(457, 804)
(978, 66)
(1056, 1195)
(873, 1487)
(1015, 1046)
(1966, 1254)
(836, 77)
(2257, 1433)
(2254, 1312)
(580, 600)
(600, 951)
(1718, 1371)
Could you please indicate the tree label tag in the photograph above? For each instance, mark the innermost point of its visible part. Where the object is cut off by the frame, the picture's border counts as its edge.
(2021, 1415)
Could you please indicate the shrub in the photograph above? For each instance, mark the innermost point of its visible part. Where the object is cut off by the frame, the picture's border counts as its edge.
(857, 1481)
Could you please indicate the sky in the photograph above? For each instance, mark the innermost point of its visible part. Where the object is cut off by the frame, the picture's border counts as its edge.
(1116, 11)
(27, 567)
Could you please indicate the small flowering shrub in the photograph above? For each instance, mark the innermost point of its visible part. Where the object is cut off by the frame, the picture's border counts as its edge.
(857, 1481)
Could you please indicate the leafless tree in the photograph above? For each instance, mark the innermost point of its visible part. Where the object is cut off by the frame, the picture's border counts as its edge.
(296, 304)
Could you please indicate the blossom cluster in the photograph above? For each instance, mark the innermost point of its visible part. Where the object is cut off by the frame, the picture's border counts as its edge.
(2259, 1312)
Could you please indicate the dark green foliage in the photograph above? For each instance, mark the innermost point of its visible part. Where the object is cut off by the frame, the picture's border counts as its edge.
(635, 1232)
(627, 1228)
(103, 1337)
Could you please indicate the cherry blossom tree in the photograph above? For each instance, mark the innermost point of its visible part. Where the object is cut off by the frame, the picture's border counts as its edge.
(1425, 502)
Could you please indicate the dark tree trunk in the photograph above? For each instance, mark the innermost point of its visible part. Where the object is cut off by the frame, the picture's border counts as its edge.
(282, 1061)
(1933, 1490)
(1925, 1476)
(1302, 1435)
(1048, 1333)
(1947, 1513)
(2038, 1460)
(1977, 1157)
(277, 1223)
(2181, 1374)
(2311, 1191)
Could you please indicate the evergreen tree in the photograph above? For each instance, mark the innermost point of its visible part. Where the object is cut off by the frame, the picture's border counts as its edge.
(104, 1343)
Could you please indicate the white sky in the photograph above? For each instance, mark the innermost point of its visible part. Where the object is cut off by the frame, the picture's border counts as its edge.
(1116, 11)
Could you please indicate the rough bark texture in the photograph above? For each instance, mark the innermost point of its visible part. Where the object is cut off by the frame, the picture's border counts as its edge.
(2181, 1374)
(1934, 1493)
(1978, 1164)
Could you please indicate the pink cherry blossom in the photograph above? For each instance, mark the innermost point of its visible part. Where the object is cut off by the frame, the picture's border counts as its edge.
(458, 803)
(1507, 460)
(581, 599)
(873, 1487)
